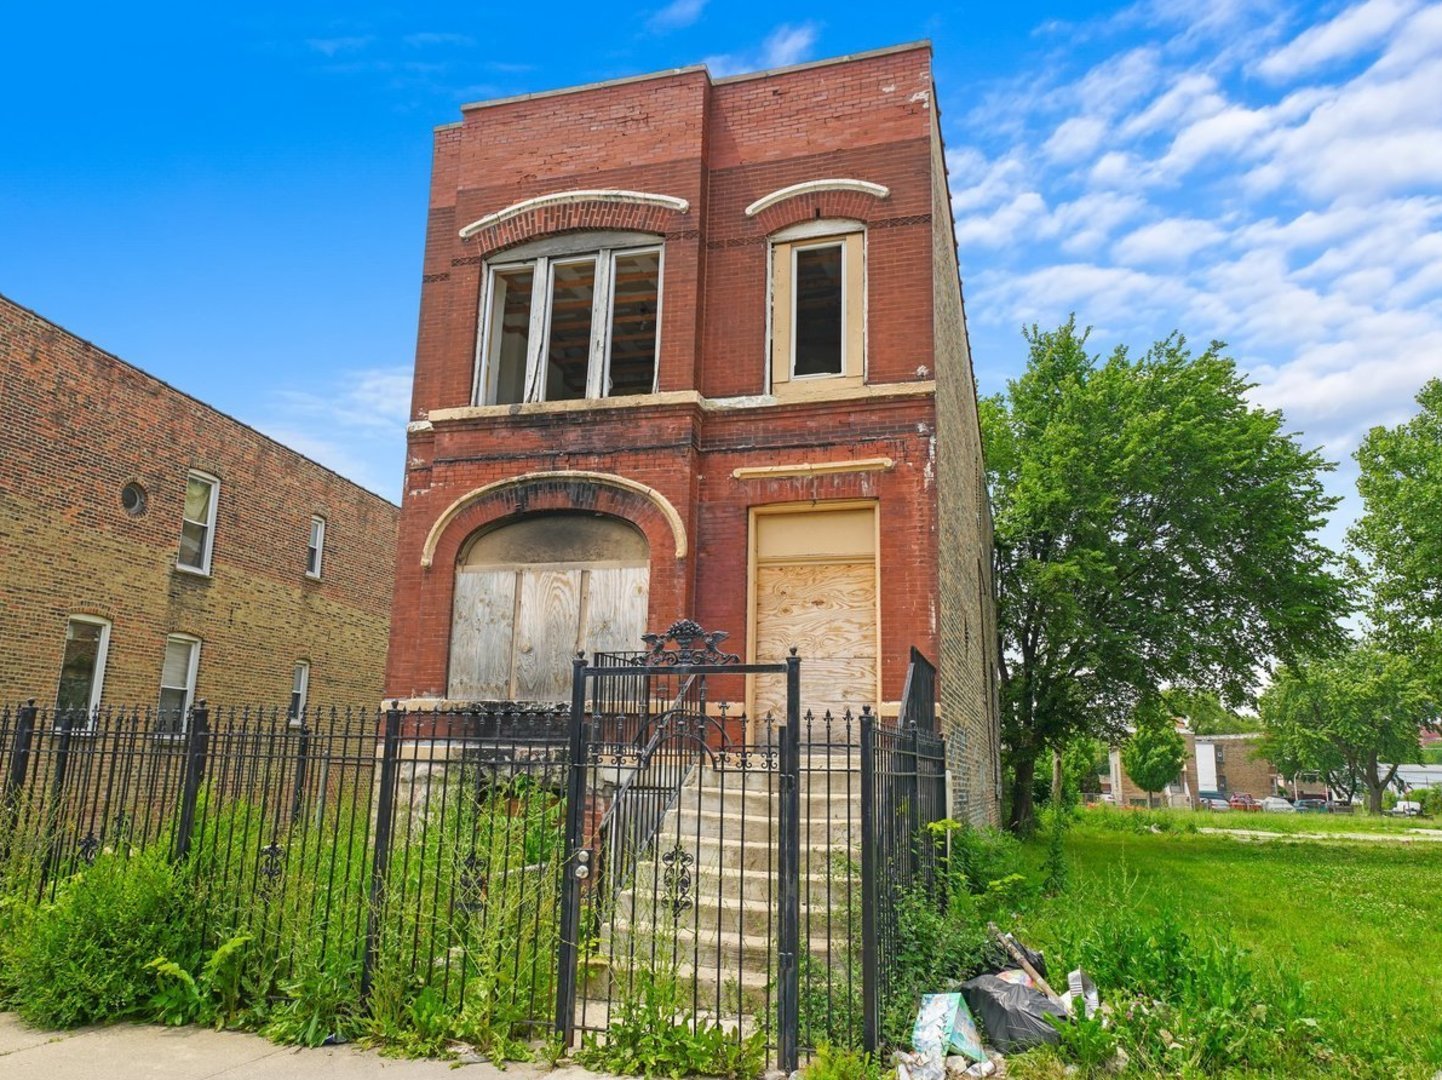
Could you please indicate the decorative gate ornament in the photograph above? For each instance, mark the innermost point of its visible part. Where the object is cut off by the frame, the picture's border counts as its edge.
(685, 633)
(677, 879)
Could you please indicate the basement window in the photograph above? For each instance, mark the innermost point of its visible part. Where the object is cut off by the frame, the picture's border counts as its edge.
(568, 325)
(817, 307)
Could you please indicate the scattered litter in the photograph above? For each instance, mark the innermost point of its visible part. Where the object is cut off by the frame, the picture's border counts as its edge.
(1030, 962)
(1081, 988)
(1015, 975)
(944, 1026)
(912, 1066)
(1014, 1015)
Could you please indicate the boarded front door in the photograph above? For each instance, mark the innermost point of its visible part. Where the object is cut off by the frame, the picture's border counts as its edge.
(815, 589)
(530, 595)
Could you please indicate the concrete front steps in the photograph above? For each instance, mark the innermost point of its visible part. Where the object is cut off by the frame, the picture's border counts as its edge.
(721, 925)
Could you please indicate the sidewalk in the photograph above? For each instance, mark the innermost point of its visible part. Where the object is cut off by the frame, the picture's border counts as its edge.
(151, 1052)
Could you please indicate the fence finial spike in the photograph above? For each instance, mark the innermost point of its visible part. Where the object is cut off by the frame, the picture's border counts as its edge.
(793, 650)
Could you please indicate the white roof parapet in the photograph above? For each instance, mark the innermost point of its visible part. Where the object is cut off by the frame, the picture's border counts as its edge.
(561, 198)
(810, 187)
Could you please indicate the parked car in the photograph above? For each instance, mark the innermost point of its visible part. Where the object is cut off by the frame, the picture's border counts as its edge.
(1212, 802)
(1242, 801)
(1309, 805)
(1274, 804)
(1406, 808)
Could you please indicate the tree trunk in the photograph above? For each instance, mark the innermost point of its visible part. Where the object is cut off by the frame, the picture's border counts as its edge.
(1058, 795)
(1023, 809)
(1374, 797)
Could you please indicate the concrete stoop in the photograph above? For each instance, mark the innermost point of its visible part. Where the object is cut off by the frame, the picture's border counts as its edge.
(704, 898)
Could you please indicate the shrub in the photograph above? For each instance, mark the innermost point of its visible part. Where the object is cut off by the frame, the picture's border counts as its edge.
(85, 954)
(830, 1063)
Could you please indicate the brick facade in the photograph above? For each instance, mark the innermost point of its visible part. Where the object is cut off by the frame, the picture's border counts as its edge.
(79, 425)
(717, 146)
(1241, 769)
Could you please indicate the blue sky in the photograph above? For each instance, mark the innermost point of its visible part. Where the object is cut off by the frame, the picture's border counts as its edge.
(234, 198)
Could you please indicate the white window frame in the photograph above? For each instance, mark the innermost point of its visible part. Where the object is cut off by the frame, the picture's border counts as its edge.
(208, 549)
(190, 676)
(598, 370)
(299, 677)
(102, 654)
(796, 249)
(315, 542)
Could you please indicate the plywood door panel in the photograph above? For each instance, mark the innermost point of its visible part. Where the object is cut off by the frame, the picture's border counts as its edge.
(828, 611)
(481, 635)
(616, 600)
(546, 633)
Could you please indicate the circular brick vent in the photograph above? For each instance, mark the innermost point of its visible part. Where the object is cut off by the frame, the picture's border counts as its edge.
(132, 497)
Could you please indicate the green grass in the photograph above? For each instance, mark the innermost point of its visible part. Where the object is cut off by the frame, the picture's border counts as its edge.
(1359, 923)
(1188, 820)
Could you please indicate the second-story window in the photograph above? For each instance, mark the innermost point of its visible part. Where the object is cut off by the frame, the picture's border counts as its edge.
(569, 325)
(315, 547)
(197, 527)
(818, 301)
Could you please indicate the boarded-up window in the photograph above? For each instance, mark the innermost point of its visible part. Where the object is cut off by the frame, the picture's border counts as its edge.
(531, 594)
(815, 589)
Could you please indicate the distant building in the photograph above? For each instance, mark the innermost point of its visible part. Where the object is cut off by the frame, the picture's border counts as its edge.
(154, 551)
(1225, 764)
(694, 347)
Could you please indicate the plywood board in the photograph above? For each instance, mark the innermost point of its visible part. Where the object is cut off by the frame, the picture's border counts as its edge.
(828, 611)
(547, 634)
(616, 600)
(481, 635)
(816, 535)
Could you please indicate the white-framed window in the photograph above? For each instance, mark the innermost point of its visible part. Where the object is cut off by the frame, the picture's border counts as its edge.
(818, 309)
(299, 691)
(177, 681)
(82, 671)
(563, 325)
(315, 547)
(197, 527)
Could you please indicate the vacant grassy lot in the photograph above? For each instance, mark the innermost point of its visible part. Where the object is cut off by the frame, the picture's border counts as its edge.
(1359, 922)
(1281, 823)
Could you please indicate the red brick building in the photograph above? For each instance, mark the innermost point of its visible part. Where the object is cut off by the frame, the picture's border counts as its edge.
(695, 347)
(154, 550)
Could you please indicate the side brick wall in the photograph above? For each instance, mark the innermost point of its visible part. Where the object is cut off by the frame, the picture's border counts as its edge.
(78, 425)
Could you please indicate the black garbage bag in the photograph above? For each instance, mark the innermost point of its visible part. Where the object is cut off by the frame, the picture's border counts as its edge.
(1013, 1014)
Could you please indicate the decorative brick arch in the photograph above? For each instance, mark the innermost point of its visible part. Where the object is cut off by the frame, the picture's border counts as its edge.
(572, 211)
(606, 493)
(857, 200)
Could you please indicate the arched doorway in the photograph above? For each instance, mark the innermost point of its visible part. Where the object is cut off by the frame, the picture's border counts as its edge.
(531, 593)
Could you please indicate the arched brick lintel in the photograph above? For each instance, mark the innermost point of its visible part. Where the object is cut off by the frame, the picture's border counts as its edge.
(582, 214)
(606, 493)
(846, 205)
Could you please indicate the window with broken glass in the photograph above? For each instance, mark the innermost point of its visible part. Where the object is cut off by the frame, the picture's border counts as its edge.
(564, 326)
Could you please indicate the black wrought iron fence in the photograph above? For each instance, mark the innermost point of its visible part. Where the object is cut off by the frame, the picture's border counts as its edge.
(552, 857)
(388, 850)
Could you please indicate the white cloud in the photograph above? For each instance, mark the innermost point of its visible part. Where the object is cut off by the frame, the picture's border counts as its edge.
(675, 16)
(1298, 217)
(1167, 241)
(422, 40)
(1075, 138)
(1354, 30)
(784, 46)
(337, 45)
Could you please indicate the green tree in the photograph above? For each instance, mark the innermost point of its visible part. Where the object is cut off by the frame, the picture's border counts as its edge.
(1205, 714)
(1155, 752)
(1083, 762)
(1352, 717)
(1152, 528)
(1399, 534)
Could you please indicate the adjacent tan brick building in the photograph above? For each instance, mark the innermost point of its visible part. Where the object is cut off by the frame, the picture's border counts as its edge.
(1226, 764)
(113, 481)
(695, 347)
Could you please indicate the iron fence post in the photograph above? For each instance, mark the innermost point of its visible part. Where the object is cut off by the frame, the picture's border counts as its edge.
(302, 757)
(64, 719)
(911, 765)
(870, 991)
(788, 863)
(16, 773)
(381, 857)
(197, 745)
(570, 899)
